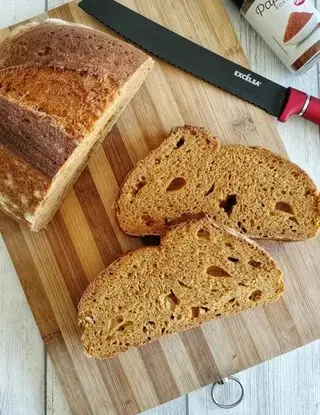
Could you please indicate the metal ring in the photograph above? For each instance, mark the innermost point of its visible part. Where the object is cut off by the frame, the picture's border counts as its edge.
(305, 106)
(222, 382)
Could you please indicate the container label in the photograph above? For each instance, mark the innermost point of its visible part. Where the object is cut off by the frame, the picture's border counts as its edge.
(290, 27)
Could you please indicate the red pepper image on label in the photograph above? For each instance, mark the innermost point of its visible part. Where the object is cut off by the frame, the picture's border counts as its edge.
(296, 22)
(299, 2)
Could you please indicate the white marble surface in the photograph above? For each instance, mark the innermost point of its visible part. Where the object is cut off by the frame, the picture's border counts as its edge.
(289, 384)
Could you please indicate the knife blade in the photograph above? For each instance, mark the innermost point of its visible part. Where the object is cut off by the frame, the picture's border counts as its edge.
(203, 63)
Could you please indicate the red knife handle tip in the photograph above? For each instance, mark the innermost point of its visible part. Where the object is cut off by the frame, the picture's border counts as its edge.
(302, 104)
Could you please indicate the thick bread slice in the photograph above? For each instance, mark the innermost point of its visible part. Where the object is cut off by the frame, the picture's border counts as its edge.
(199, 272)
(249, 189)
(62, 88)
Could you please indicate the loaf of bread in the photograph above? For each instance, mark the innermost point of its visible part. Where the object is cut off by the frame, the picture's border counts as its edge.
(249, 189)
(62, 87)
(199, 272)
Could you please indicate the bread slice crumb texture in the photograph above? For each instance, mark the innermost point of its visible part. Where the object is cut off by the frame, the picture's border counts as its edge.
(199, 272)
(249, 189)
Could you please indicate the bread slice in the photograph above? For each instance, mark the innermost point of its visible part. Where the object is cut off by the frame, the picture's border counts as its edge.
(199, 272)
(62, 87)
(249, 189)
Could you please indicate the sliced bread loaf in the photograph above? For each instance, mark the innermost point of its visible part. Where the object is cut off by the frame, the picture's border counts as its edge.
(62, 87)
(199, 272)
(249, 189)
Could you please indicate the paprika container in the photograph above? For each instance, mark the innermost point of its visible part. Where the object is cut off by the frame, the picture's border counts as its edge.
(291, 28)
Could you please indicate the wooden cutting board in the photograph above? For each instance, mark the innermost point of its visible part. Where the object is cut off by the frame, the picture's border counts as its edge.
(56, 265)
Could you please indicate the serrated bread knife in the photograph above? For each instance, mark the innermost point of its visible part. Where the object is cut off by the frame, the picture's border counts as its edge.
(277, 100)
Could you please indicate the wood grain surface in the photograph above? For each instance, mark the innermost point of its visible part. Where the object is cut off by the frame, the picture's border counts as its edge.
(56, 265)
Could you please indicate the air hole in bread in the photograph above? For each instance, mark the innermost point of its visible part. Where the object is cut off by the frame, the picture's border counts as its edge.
(294, 219)
(144, 329)
(232, 259)
(147, 219)
(217, 271)
(124, 326)
(232, 300)
(284, 207)
(176, 184)
(242, 284)
(182, 284)
(255, 295)
(115, 322)
(173, 297)
(180, 142)
(194, 312)
(203, 234)
(228, 203)
(171, 301)
(208, 192)
(255, 264)
(139, 185)
(218, 315)
(45, 51)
